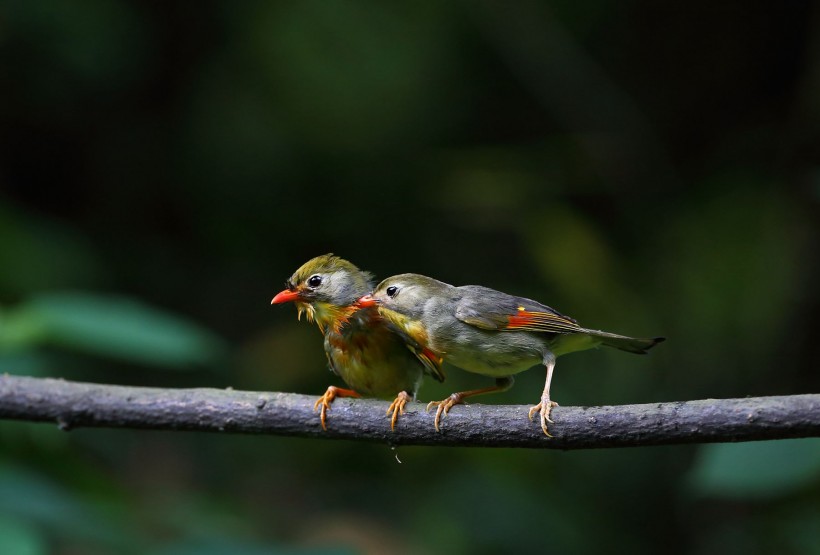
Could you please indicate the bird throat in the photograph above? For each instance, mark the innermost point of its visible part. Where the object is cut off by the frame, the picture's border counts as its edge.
(326, 315)
(413, 328)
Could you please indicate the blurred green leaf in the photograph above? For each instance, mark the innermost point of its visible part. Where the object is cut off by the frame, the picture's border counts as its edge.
(756, 469)
(25, 363)
(19, 538)
(236, 547)
(112, 326)
(31, 497)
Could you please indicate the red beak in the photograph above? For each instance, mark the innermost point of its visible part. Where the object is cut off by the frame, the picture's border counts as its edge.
(367, 301)
(285, 296)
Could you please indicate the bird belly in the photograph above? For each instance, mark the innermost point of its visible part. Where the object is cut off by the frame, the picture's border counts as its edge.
(494, 354)
(374, 363)
(496, 367)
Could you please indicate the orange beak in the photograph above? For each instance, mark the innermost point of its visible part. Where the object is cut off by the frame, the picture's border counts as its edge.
(367, 301)
(285, 296)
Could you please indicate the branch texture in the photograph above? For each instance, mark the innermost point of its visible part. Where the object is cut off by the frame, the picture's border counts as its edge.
(74, 405)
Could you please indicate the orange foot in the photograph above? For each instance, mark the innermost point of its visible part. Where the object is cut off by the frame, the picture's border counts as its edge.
(545, 407)
(445, 406)
(397, 408)
(326, 399)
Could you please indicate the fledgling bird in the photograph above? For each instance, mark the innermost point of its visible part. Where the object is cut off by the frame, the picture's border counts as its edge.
(360, 347)
(487, 332)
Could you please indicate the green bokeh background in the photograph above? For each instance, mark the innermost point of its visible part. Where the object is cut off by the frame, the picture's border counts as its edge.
(649, 169)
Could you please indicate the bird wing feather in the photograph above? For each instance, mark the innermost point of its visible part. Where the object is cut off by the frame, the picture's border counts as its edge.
(489, 309)
(430, 361)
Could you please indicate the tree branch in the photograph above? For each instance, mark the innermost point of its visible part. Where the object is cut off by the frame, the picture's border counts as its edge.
(73, 405)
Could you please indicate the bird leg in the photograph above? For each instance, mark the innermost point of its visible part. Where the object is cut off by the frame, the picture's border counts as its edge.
(397, 408)
(545, 406)
(501, 384)
(326, 399)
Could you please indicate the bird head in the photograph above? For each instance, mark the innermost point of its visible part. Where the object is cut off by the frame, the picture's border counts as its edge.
(404, 300)
(326, 289)
(403, 297)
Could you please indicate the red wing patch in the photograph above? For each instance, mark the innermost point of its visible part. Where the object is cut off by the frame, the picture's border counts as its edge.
(428, 354)
(430, 360)
(540, 321)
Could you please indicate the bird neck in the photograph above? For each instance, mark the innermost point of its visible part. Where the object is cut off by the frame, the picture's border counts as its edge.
(414, 329)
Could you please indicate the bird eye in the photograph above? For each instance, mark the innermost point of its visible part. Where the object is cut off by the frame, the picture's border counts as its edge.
(314, 281)
(391, 291)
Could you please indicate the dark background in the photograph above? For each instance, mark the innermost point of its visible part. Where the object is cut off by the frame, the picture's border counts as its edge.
(648, 168)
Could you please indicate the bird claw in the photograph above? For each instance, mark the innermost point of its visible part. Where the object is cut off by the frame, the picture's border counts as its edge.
(444, 407)
(327, 399)
(544, 407)
(397, 408)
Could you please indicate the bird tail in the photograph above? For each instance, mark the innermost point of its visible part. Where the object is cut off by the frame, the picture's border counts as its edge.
(629, 344)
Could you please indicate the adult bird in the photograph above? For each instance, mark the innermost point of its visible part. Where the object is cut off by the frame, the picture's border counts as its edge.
(487, 332)
(361, 349)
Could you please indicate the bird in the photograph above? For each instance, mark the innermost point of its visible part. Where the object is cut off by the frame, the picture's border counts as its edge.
(367, 354)
(486, 332)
